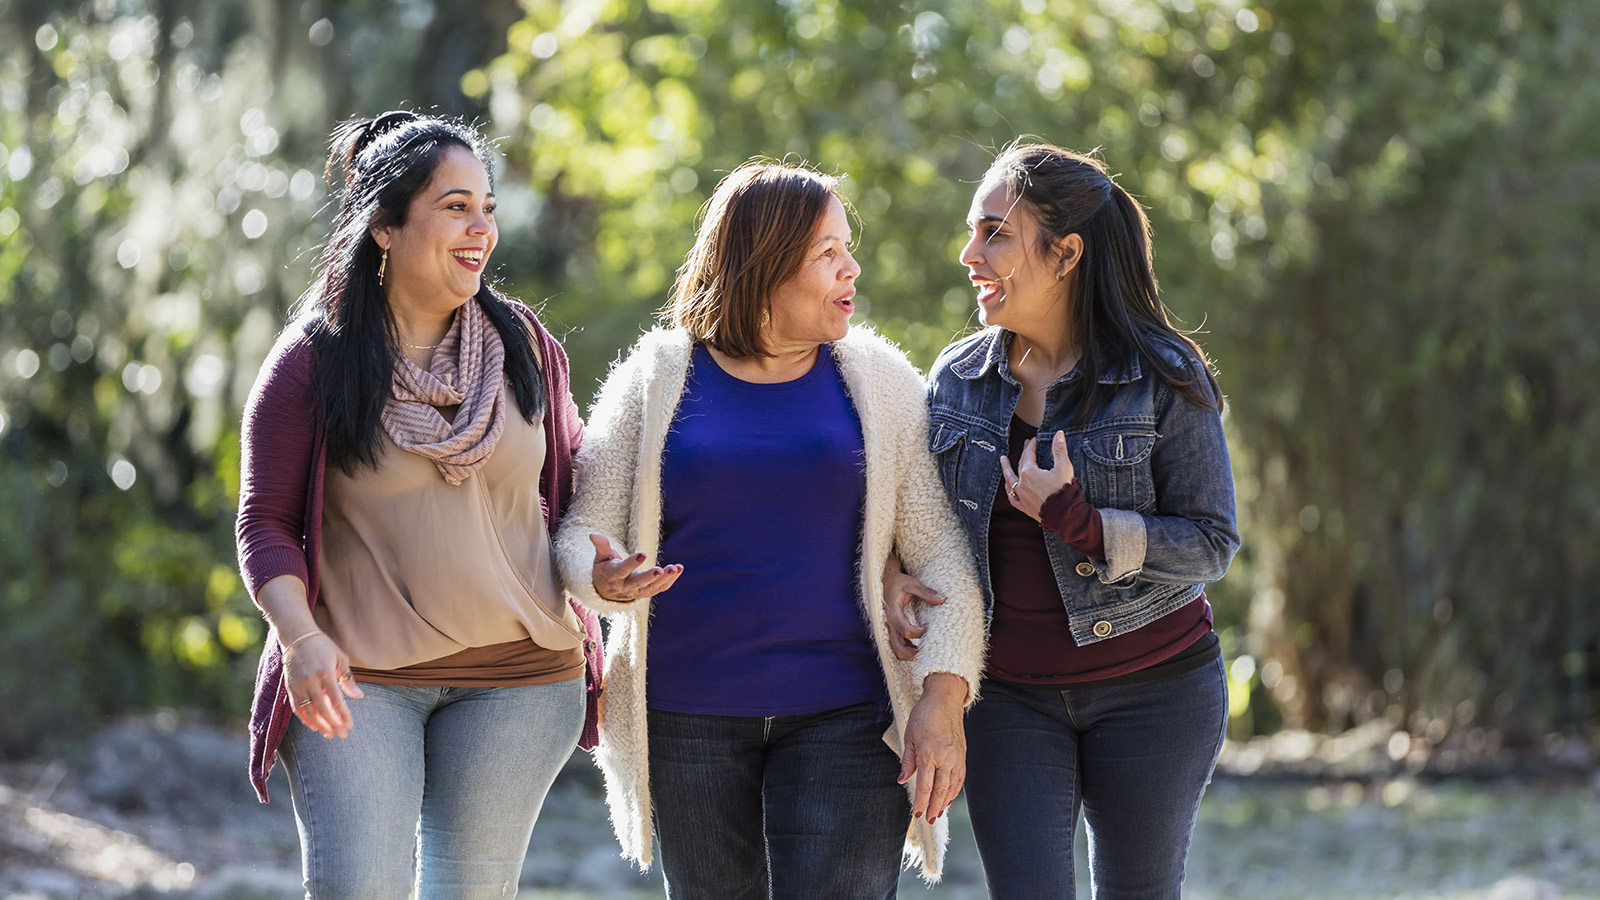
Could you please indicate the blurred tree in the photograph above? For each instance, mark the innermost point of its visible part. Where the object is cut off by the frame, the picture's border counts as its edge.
(160, 178)
(1377, 212)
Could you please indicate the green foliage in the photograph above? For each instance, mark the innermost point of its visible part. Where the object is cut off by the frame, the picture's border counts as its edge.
(160, 181)
(1377, 213)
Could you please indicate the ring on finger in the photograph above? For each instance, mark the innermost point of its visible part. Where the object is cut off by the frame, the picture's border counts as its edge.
(305, 703)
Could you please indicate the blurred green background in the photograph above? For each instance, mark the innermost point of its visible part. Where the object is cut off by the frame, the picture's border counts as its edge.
(1377, 213)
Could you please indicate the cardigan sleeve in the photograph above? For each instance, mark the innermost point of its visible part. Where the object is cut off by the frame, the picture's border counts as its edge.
(277, 440)
(933, 547)
(603, 500)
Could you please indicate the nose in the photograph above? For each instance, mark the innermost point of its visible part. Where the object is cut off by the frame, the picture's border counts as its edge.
(972, 254)
(852, 269)
(481, 223)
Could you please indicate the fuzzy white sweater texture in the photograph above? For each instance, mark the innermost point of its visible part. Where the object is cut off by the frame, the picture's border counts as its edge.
(906, 510)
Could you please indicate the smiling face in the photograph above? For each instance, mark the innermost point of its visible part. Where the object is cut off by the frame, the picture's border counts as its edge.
(1016, 282)
(814, 306)
(437, 258)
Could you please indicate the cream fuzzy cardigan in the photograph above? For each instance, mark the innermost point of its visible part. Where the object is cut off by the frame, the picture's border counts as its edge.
(619, 496)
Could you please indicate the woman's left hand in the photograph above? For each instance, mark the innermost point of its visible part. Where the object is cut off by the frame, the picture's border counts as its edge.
(936, 745)
(1029, 486)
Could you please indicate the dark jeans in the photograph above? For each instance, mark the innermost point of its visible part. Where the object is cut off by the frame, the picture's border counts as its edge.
(779, 806)
(1136, 758)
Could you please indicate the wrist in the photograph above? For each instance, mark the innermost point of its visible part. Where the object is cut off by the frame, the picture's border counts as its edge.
(290, 645)
(945, 687)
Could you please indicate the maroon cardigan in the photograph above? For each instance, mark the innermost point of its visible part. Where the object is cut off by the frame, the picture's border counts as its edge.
(279, 529)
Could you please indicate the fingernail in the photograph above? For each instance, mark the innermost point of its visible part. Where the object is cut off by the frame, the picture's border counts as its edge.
(903, 777)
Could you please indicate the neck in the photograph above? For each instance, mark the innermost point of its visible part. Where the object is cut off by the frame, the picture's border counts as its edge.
(1045, 351)
(419, 329)
(787, 364)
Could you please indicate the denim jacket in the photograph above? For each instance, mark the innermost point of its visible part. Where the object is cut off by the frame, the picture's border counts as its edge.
(1154, 465)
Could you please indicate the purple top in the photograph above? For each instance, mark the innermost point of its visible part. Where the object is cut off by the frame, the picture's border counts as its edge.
(762, 486)
(279, 529)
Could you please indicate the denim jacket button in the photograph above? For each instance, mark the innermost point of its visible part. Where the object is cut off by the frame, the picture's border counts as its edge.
(1086, 569)
(1102, 629)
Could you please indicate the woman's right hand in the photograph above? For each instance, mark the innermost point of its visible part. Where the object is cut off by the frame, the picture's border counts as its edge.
(618, 578)
(900, 594)
(318, 675)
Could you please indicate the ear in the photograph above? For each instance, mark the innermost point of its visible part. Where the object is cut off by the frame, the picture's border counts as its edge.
(382, 235)
(1069, 252)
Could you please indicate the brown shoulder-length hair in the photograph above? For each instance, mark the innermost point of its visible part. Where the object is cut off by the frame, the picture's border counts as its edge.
(753, 236)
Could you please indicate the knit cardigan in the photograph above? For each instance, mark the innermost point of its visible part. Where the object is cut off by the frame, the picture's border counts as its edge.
(906, 510)
(279, 526)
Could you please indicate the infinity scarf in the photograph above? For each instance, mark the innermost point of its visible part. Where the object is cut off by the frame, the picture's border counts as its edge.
(468, 369)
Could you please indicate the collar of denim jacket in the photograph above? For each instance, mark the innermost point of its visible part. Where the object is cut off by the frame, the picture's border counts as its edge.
(991, 353)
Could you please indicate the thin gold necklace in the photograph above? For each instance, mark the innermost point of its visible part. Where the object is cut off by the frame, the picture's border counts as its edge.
(418, 346)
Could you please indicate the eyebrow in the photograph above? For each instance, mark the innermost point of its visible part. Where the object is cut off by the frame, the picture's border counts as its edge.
(458, 190)
(829, 237)
(982, 219)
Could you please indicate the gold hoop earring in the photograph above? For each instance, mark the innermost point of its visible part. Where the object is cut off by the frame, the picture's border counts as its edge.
(1060, 277)
(384, 264)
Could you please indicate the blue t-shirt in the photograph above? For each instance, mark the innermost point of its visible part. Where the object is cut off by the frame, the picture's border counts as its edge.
(762, 487)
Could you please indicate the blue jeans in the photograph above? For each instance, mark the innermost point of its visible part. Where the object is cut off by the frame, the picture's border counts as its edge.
(1136, 758)
(445, 782)
(800, 806)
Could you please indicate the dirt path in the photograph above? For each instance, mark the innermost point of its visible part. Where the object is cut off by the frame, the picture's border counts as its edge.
(153, 809)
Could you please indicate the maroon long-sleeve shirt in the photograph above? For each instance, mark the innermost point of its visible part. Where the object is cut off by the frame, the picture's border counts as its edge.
(1030, 641)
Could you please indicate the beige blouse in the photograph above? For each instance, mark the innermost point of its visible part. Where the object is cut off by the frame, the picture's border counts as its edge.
(413, 569)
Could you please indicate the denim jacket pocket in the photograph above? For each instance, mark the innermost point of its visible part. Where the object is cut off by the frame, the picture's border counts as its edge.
(1117, 468)
(945, 442)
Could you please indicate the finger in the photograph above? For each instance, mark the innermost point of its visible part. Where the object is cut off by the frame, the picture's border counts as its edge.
(899, 617)
(1058, 449)
(903, 649)
(347, 684)
(920, 805)
(908, 761)
(330, 704)
(602, 548)
(649, 582)
(1012, 481)
(942, 794)
(1030, 457)
(924, 593)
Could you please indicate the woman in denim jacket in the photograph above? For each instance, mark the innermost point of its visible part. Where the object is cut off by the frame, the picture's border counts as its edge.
(1080, 439)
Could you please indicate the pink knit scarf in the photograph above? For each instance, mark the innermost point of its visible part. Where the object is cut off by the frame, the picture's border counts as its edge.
(467, 370)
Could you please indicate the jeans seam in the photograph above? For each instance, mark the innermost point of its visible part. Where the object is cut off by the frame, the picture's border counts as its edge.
(1066, 704)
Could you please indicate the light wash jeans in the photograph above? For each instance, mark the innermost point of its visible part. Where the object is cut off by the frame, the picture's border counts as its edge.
(445, 783)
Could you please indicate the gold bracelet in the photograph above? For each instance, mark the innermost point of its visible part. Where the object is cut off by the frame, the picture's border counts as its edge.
(296, 642)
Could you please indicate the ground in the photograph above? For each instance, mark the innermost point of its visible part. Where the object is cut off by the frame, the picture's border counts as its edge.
(158, 806)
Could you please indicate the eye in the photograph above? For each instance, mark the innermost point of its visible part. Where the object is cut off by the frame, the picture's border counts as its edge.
(489, 210)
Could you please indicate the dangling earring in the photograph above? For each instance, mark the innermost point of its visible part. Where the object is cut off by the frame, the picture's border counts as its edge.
(384, 264)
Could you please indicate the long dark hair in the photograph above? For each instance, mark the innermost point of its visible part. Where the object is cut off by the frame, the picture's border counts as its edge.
(385, 162)
(1117, 313)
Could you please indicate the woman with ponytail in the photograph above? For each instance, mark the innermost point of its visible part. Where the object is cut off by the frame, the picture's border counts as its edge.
(406, 450)
(1080, 439)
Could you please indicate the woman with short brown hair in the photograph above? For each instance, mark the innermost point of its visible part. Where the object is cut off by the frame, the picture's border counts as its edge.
(773, 455)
